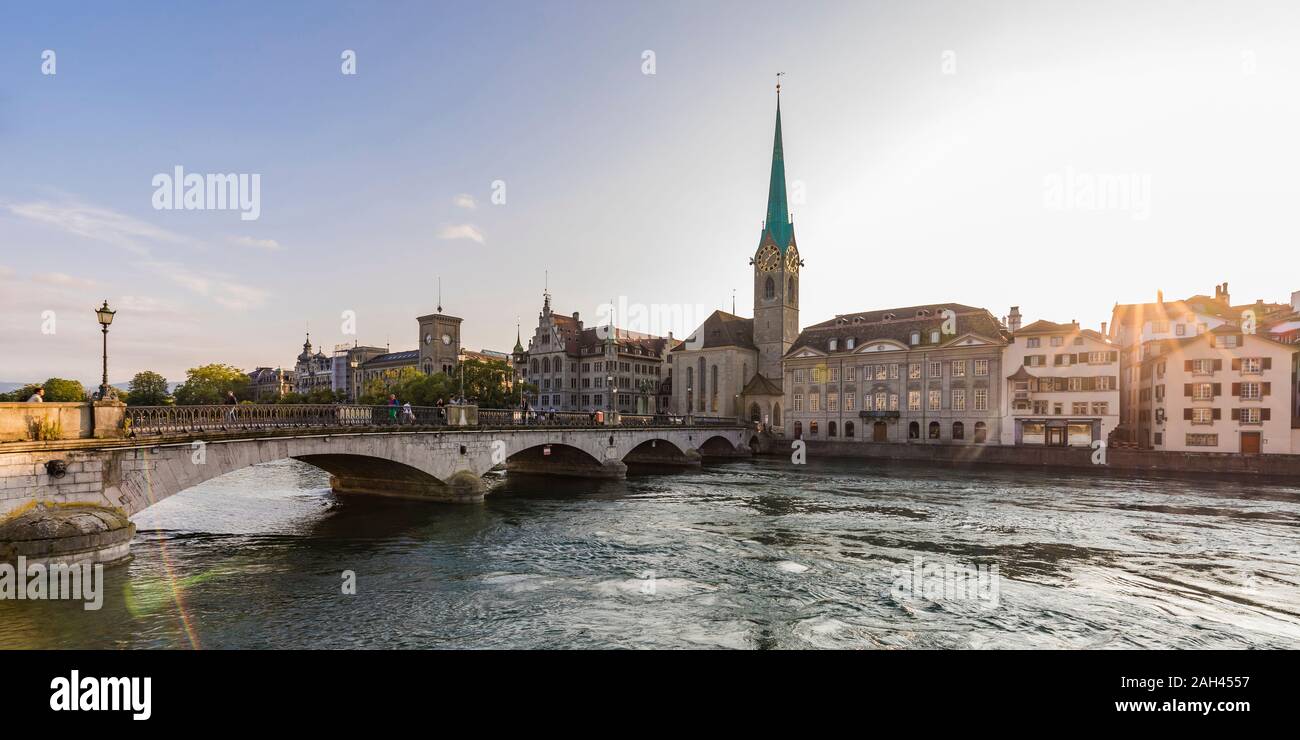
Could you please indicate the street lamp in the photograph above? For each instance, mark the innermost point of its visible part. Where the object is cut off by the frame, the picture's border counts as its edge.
(609, 383)
(105, 316)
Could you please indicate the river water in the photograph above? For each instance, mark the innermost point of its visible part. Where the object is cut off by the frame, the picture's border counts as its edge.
(749, 554)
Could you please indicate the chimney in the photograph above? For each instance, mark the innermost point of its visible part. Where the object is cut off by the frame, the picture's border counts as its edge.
(1103, 329)
(1295, 301)
(1226, 299)
(1013, 321)
(1160, 296)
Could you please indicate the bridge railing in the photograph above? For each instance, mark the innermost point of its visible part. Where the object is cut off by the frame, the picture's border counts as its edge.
(163, 420)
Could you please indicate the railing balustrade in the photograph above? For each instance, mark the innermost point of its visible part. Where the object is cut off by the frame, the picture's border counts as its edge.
(245, 417)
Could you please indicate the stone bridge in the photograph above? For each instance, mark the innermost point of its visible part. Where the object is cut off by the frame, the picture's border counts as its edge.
(117, 478)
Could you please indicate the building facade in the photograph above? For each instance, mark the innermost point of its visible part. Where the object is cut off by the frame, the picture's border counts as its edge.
(579, 368)
(268, 385)
(1063, 386)
(313, 370)
(1219, 391)
(920, 375)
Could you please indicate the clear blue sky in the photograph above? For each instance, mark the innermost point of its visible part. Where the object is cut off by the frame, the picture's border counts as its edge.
(920, 185)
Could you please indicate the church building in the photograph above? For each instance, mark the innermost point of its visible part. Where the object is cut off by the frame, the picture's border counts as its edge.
(730, 367)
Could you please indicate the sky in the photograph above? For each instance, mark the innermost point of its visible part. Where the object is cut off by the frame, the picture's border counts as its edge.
(936, 152)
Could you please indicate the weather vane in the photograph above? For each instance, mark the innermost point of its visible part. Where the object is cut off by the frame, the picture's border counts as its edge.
(778, 82)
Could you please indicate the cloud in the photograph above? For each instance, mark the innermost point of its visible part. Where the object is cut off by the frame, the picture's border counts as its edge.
(64, 280)
(219, 287)
(465, 201)
(461, 231)
(100, 224)
(248, 241)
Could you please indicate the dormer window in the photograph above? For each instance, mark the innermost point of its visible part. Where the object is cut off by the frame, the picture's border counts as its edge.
(889, 317)
(934, 337)
(916, 337)
(834, 344)
(848, 343)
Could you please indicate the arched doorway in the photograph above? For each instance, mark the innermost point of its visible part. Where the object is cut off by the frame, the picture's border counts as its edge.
(776, 415)
(981, 432)
(754, 413)
(798, 430)
(880, 432)
(914, 430)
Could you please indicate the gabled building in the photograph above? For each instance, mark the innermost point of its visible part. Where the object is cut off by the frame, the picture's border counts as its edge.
(1062, 388)
(1219, 391)
(929, 374)
(579, 368)
(268, 385)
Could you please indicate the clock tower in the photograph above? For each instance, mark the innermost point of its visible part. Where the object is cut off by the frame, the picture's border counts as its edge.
(776, 271)
(439, 343)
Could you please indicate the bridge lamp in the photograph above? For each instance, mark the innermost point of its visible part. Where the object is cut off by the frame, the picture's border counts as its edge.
(105, 316)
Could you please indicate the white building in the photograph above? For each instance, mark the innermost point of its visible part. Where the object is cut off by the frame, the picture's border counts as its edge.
(1063, 386)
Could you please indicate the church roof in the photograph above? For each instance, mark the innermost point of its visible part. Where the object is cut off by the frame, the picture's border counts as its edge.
(759, 385)
(777, 224)
(721, 329)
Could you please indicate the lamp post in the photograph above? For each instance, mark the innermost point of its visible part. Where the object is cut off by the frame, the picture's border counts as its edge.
(105, 316)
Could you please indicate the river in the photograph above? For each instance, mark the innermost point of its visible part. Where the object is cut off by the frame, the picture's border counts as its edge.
(747, 554)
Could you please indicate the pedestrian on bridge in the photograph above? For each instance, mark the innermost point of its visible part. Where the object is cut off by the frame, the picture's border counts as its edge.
(232, 402)
(38, 396)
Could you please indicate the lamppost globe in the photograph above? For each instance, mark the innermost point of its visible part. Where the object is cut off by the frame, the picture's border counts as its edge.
(105, 314)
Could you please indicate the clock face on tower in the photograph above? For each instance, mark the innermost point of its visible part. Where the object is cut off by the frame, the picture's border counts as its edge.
(768, 259)
(446, 339)
(428, 339)
(792, 260)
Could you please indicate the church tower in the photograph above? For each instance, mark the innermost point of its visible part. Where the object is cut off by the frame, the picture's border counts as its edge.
(776, 271)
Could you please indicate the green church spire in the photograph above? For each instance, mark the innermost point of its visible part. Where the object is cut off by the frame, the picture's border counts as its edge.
(778, 212)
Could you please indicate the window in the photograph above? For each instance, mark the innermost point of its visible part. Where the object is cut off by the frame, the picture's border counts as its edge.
(981, 368)
(834, 344)
(880, 402)
(812, 429)
(1202, 416)
(936, 369)
(1203, 391)
(958, 430)
(848, 402)
(832, 401)
(934, 430)
(1100, 408)
(1103, 382)
(1202, 367)
(814, 401)
(1202, 440)
(1058, 408)
(981, 401)
(914, 430)
(1180, 330)
(1098, 358)
(1033, 342)
(848, 430)
(958, 368)
(799, 376)
(1058, 341)
(958, 399)
(1040, 407)
(1160, 327)
(1251, 365)
(914, 370)
(1250, 391)
(1078, 341)
(916, 337)
(913, 400)
(830, 430)
(936, 399)
(848, 344)
(893, 401)
(934, 337)
(835, 375)
(1075, 384)
(1250, 415)
(981, 432)
(798, 402)
(1079, 408)
(1228, 341)
(769, 289)
(880, 371)
(850, 374)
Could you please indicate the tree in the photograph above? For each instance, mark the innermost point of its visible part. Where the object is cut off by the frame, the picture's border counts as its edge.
(148, 389)
(60, 389)
(210, 383)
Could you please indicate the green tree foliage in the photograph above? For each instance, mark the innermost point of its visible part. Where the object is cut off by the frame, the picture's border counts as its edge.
(56, 389)
(486, 384)
(148, 389)
(315, 396)
(208, 385)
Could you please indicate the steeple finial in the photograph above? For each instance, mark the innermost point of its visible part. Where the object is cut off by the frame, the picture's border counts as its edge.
(439, 294)
(779, 75)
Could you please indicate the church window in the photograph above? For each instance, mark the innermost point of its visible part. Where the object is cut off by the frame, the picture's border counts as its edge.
(769, 289)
